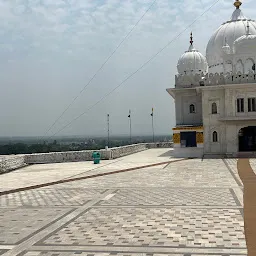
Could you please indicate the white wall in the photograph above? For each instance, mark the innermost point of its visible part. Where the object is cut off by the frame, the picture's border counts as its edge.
(188, 152)
(211, 121)
(243, 92)
(182, 102)
(227, 130)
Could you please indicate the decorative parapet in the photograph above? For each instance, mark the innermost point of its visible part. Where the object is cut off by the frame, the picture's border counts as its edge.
(188, 81)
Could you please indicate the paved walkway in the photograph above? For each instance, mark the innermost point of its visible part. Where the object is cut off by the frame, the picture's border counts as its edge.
(190, 207)
(248, 178)
(42, 173)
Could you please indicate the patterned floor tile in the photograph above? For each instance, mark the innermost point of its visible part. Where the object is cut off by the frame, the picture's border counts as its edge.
(190, 173)
(172, 196)
(16, 224)
(253, 164)
(188, 206)
(49, 197)
(154, 227)
(161, 254)
(232, 163)
(86, 254)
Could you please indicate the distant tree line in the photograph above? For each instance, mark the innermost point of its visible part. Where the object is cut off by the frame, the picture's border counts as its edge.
(61, 146)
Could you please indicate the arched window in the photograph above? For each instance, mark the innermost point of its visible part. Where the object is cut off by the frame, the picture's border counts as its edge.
(192, 108)
(248, 66)
(215, 136)
(214, 108)
(240, 66)
(228, 66)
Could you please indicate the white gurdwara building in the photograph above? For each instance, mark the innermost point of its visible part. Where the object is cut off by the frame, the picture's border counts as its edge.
(215, 96)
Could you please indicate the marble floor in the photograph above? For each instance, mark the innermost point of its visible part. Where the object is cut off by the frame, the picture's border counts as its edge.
(189, 207)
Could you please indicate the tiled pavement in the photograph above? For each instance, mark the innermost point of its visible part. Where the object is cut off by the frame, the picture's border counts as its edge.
(253, 164)
(49, 196)
(19, 223)
(172, 196)
(93, 254)
(153, 227)
(189, 173)
(186, 208)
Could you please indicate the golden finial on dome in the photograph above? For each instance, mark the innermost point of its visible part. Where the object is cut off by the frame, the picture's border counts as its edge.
(237, 4)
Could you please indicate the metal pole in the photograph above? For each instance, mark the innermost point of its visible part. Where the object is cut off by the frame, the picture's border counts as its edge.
(130, 126)
(153, 129)
(108, 128)
(152, 114)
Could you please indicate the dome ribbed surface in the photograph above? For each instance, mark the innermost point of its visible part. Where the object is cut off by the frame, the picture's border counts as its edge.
(192, 61)
(228, 32)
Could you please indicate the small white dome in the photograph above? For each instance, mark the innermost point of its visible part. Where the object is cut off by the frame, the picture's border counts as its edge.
(192, 61)
(245, 44)
(229, 32)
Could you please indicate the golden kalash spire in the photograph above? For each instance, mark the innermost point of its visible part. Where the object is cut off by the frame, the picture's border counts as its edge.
(237, 4)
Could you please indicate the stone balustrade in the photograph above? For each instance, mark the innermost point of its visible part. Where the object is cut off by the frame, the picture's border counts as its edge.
(188, 81)
(10, 163)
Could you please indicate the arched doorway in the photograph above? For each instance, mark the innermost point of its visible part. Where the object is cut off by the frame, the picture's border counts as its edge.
(247, 139)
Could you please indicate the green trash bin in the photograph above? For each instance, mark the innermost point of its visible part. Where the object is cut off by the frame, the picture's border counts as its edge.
(96, 157)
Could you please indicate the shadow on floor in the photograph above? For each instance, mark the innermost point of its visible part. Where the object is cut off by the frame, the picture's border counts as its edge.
(167, 154)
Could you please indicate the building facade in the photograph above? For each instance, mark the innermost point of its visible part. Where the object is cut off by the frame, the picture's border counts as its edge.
(215, 96)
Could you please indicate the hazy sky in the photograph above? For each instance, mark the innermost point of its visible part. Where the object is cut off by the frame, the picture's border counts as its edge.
(49, 49)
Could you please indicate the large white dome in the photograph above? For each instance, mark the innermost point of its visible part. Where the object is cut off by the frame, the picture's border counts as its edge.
(227, 33)
(192, 61)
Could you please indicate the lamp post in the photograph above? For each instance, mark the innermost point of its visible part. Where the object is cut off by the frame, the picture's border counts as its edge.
(108, 128)
(130, 118)
(153, 132)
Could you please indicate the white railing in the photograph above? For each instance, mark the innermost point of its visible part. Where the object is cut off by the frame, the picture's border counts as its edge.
(187, 81)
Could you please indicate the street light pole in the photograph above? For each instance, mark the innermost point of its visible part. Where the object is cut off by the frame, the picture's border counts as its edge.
(108, 128)
(130, 117)
(152, 115)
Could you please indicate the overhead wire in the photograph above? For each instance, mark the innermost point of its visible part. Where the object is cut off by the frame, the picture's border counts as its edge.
(100, 68)
(135, 72)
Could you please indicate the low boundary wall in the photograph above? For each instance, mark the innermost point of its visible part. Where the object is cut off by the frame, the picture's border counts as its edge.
(12, 163)
(60, 157)
(19, 161)
(127, 150)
